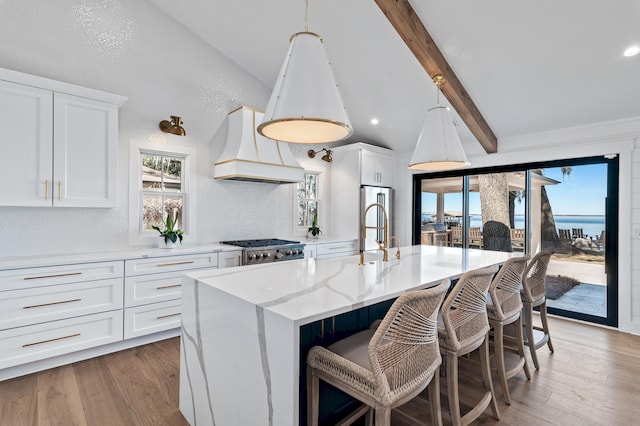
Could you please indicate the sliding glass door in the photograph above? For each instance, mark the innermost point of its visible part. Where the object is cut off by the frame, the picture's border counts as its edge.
(567, 206)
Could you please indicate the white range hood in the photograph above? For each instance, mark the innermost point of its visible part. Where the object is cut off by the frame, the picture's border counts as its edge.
(249, 156)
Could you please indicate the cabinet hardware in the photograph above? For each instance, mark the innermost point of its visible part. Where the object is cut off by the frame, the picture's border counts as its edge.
(53, 276)
(51, 303)
(46, 190)
(175, 263)
(168, 286)
(50, 340)
(59, 190)
(167, 316)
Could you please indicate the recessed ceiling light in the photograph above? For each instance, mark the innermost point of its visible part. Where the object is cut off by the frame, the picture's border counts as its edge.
(632, 51)
(374, 121)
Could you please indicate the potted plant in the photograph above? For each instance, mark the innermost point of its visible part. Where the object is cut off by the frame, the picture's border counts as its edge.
(170, 234)
(314, 230)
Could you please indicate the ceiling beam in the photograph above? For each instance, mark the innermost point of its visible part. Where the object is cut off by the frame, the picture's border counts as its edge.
(408, 25)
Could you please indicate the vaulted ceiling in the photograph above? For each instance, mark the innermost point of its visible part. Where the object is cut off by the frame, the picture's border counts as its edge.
(529, 67)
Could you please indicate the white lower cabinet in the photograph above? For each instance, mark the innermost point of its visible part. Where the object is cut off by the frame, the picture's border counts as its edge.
(36, 342)
(337, 249)
(60, 313)
(153, 289)
(329, 249)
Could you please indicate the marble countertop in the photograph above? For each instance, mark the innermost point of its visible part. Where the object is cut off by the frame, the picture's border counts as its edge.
(106, 256)
(303, 291)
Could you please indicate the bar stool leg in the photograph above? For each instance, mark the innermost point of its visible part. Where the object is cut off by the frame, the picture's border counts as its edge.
(528, 325)
(498, 340)
(545, 324)
(520, 344)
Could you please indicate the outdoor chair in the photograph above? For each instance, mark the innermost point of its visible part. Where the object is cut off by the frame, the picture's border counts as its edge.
(475, 237)
(387, 366)
(600, 242)
(577, 233)
(517, 239)
(462, 328)
(564, 235)
(456, 236)
(533, 294)
(504, 307)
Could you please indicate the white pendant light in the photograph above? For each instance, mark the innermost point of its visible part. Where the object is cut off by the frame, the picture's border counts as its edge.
(438, 146)
(306, 106)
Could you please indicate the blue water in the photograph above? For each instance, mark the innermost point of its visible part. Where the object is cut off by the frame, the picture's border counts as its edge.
(591, 225)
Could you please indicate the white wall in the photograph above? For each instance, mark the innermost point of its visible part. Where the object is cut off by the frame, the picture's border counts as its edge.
(620, 137)
(131, 48)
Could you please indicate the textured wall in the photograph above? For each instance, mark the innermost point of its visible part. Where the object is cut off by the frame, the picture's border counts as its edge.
(131, 48)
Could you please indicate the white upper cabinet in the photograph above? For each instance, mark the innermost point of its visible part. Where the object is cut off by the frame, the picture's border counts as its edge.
(62, 141)
(377, 169)
(26, 117)
(85, 151)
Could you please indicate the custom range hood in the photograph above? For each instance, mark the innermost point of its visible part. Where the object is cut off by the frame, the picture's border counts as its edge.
(249, 156)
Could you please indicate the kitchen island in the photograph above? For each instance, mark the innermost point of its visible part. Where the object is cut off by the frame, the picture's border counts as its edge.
(241, 359)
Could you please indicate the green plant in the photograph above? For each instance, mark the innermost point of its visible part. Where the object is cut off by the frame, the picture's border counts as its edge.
(170, 233)
(314, 229)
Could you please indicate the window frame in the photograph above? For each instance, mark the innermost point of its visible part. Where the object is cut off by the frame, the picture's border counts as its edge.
(137, 235)
(319, 200)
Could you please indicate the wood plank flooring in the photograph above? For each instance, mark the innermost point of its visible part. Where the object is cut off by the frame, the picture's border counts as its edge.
(593, 378)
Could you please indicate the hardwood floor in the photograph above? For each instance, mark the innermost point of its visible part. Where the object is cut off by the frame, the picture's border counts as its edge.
(593, 378)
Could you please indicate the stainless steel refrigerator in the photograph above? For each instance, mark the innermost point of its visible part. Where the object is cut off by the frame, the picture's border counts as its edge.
(374, 219)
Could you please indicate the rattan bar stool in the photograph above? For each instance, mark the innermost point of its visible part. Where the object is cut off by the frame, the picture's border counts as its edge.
(504, 307)
(387, 366)
(464, 328)
(533, 294)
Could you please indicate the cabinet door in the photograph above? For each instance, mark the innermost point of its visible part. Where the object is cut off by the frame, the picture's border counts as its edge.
(376, 169)
(228, 259)
(27, 134)
(85, 152)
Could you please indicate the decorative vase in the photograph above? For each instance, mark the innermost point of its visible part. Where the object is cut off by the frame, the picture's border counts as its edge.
(168, 244)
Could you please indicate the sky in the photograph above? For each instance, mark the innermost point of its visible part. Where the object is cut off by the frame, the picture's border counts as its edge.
(581, 193)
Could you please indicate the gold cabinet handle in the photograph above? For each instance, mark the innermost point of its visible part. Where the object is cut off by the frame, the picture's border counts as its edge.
(51, 340)
(51, 303)
(46, 189)
(52, 276)
(168, 286)
(59, 184)
(186, 262)
(167, 316)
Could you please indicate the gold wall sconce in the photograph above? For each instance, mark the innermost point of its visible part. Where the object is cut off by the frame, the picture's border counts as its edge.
(174, 126)
(327, 157)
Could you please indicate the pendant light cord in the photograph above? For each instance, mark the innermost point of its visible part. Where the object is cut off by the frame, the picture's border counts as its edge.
(306, 16)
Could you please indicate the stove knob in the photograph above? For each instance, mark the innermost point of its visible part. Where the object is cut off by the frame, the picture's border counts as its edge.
(300, 251)
(279, 255)
(266, 254)
(258, 255)
(252, 256)
(288, 253)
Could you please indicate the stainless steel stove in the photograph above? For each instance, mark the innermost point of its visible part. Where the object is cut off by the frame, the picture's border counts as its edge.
(268, 250)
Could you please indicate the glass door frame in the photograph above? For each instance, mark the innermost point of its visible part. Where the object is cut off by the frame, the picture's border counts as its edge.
(611, 219)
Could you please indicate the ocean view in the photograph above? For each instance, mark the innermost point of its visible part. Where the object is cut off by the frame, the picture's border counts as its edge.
(591, 225)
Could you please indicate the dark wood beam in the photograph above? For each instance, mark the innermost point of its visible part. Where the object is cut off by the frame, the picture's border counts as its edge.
(408, 25)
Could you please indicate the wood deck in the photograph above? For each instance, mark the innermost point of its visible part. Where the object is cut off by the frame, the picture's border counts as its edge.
(593, 378)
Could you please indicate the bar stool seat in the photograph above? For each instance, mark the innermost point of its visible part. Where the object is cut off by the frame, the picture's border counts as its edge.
(386, 367)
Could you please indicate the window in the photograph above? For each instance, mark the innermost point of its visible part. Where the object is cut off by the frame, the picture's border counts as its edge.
(308, 201)
(161, 179)
(162, 189)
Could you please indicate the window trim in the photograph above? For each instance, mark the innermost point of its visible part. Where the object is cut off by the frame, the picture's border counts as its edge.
(320, 200)
(136, 235)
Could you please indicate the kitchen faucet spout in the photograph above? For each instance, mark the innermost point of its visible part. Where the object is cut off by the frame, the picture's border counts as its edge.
(385, 228)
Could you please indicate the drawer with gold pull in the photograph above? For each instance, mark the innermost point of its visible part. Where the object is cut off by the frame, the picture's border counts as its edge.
(147, 319)
(151, 288)
(13, 279)
(35, 342)
(154, 265)
(35, 305)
